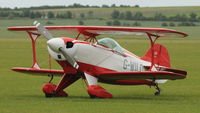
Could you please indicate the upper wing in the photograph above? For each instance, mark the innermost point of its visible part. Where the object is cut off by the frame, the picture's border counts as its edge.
(141, 75)
(97, 30)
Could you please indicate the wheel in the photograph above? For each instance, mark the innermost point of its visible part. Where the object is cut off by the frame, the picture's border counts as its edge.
(49, 95)
(157, 93)
(94, 97)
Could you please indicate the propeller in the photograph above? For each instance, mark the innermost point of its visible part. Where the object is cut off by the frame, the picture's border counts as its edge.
(43, 30)
(57, 44)
(69, 59)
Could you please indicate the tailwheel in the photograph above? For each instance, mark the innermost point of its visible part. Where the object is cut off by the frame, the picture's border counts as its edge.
(158, 90)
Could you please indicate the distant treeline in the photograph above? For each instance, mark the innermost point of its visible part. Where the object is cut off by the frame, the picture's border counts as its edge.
(117, 15)
(128, 15)
(75, 5)
(33, 12)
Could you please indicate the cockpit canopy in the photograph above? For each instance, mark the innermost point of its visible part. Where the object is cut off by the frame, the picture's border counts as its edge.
(110, 43)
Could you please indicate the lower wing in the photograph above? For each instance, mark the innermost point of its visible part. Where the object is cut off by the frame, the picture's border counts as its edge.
(154, 75)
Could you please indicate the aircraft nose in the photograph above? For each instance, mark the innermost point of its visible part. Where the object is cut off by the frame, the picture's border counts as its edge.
(55, 44)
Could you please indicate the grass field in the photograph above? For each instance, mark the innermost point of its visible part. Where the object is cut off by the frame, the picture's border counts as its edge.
(21, 93)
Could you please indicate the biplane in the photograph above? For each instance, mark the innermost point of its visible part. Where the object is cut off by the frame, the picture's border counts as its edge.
(101, 60)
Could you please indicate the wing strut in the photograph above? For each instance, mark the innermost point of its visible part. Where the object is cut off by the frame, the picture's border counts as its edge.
(78, 35)
(152, 38)
(34, 37)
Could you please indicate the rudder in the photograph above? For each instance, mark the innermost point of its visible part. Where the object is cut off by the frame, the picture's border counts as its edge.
(161, 55)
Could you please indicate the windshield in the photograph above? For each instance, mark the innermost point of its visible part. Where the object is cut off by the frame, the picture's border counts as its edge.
(110, 43)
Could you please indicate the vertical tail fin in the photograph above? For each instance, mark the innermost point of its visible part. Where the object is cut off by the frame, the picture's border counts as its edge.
(161, 55)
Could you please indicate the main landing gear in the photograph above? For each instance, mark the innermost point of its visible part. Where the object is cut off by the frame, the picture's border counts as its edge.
(49, 91)
(96, 91)
(158, 90)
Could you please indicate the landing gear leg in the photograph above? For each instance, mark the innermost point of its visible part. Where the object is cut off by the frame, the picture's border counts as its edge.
(158, 90)
(96, 91)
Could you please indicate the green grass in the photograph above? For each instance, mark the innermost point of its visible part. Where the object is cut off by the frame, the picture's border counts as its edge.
(22, 92)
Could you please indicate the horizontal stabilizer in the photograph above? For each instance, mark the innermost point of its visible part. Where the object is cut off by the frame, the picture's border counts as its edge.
(178, 71)
(42, 72)
(154, 75)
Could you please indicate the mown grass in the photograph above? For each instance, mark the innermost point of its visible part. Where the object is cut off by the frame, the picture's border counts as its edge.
(22, 92)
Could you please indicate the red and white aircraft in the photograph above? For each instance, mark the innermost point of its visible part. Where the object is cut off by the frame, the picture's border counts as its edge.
(102, 60)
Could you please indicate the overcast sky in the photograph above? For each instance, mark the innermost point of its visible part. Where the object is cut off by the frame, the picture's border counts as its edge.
(143, 3)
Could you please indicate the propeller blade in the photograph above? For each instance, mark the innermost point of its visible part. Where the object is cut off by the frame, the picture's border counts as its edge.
(48, 36)
(69, 59)
(43, 30)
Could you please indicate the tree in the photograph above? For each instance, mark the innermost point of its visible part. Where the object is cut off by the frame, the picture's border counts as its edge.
(176, 17)
(186, 24)
(4, 14)
(76, 5)
(179, 17)
(115, 14)
(159, 17)
(69, 14)
(113, 5)
(193, 17)
(128, 15)
(38, 14)
(138, 16)
(108, 23)
(137, 6)
(65, 15)
(183, 17)
(90, 14)
(137, 24)
(122, 15)
(116, 23)
(81, 22)
(164, 24)
(50, 14)
(11, 16)
(124, 6)
(172, 24)
(32, 15)
(26, 13)
(105, 6)
(82, 15)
